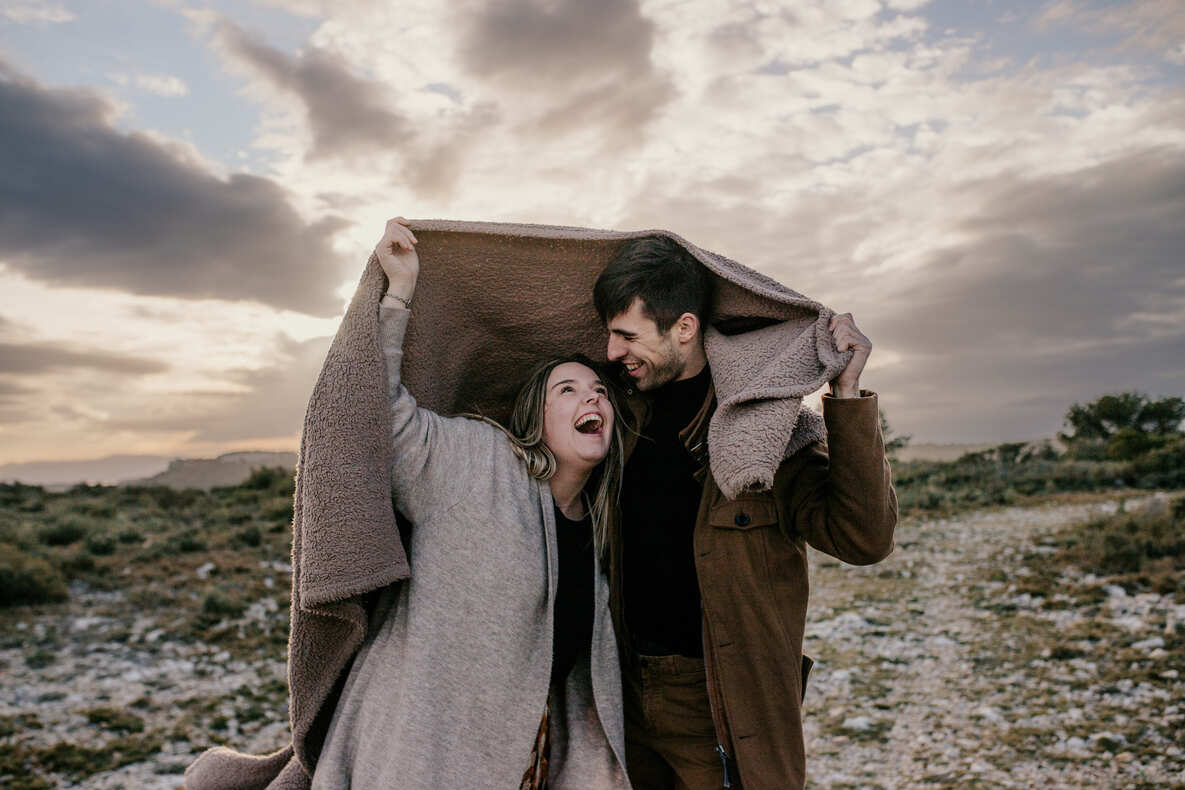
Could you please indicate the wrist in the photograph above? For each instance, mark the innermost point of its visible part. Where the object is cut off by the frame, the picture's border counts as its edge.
(842, 390)
(404, 301)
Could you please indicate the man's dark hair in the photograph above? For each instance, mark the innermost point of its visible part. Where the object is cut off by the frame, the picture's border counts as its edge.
(659, 271)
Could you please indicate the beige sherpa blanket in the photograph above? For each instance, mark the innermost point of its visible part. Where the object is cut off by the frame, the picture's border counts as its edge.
(492, 299)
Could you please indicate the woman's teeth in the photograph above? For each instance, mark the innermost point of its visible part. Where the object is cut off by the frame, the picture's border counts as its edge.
(589, 423)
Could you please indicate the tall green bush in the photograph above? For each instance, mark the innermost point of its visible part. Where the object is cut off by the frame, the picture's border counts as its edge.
(28, 579)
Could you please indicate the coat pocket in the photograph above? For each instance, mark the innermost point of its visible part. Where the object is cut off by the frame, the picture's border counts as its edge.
(744, 513)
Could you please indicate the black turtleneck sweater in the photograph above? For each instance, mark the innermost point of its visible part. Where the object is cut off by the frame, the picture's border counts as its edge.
(574, 601)
(659, 502)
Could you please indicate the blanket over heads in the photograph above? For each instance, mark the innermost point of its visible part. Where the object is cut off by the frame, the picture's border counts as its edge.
(492, 300)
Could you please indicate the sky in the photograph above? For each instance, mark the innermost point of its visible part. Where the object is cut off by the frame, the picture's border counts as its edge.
(189, 190)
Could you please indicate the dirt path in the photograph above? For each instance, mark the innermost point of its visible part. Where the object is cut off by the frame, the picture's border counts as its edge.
(946, 667)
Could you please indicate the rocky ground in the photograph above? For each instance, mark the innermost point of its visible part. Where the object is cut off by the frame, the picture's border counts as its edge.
(962, 662)
(959, 662)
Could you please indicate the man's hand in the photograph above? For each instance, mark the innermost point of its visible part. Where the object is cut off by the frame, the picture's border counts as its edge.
(396, 252)
(846, 335)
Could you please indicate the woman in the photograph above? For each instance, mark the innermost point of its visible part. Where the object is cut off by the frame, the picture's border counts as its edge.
(484, 669)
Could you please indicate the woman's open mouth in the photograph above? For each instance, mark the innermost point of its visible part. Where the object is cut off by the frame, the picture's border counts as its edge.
(590, 423)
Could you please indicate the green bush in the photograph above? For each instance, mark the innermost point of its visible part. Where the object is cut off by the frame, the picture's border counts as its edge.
(64, 533)
(77, 564)
(249, 536)
(115, 720)
(218, 605)
(17, 494)
(1129, 543)
(185, 543)
(265, 478)
(27, 579)
(1163, 467)
(100, 545)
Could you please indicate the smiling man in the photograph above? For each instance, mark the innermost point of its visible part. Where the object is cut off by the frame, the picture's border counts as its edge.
(710, 594)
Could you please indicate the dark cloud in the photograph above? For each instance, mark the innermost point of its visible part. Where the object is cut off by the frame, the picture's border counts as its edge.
(345, 112)
(1072, 287)
(1068, 287)
(591, 61)
(32, 358)
(82, 204)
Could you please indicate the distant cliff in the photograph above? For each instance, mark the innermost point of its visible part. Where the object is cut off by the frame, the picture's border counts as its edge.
(205, 473)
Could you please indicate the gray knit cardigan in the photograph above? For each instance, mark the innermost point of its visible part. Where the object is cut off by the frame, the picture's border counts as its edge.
(450, 682)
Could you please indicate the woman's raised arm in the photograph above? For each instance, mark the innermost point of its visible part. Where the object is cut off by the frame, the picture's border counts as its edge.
(427, 449)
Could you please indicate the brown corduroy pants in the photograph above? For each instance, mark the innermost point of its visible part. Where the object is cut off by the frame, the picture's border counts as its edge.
(670, 742)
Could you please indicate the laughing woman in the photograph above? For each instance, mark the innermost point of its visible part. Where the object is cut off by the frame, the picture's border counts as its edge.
(495, 664)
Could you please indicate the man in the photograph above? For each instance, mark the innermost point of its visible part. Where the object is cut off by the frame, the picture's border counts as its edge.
(710, 594)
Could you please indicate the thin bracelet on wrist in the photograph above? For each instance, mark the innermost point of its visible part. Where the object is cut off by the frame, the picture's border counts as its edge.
(405, 302)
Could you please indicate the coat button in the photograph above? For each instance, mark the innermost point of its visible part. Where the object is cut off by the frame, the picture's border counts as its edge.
(741, 519)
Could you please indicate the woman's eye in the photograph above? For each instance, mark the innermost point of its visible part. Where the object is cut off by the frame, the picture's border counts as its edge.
(567, 388)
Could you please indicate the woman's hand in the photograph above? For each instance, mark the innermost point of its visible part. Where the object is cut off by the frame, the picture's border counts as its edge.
(396, 252)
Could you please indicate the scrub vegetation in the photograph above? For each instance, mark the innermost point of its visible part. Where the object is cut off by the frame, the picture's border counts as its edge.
(178, 598)
(1117, 442)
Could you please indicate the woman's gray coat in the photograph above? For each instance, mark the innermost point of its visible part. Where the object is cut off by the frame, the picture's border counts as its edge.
(449, 686)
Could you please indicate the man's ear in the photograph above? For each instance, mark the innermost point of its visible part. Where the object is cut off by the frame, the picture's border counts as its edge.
(686, 327)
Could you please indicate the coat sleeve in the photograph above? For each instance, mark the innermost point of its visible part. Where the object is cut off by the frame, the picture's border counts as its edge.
(428, 451)
(839, 497)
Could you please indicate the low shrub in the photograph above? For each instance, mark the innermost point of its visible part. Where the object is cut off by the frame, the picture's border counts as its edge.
(100, 545)
(1150, 540)
(218, 605)
(185, 543)
(64, 533)
(115, 720)
(28, 579)
(248, 536)
(77, 564)
(1163, 467)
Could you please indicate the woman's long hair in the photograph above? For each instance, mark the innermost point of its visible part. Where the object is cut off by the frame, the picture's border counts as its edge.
(526, 438)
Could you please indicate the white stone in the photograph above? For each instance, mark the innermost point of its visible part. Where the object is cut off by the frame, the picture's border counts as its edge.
(988, 713)
(1148, 644)
(204, 571)
(857, 724)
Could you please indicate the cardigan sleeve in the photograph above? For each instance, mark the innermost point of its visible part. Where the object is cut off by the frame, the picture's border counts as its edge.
(839, 497)
(429, 452)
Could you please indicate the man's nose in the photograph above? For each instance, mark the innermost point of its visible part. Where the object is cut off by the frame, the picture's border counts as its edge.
(616, 349)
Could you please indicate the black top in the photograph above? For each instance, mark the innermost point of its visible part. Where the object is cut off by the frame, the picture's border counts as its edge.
(659, 502)
(574, 600)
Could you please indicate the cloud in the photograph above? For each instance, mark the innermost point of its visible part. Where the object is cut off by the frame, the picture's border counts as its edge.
(271, 403)
(28, 11)
(1069, 286)
(35, 358)
(162, 84)
(345, 112)
(1153, 25)
(574, 64)
(82, 204)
